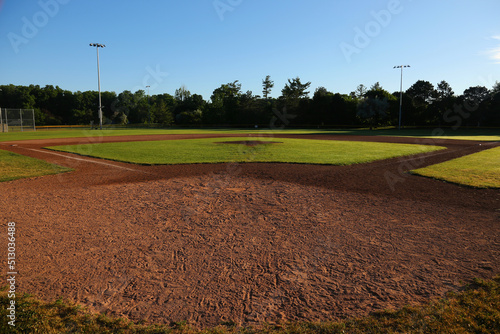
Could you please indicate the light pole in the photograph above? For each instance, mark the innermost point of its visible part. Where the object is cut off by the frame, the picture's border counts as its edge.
(149, 108)
(97, 46)
(1, 119)
(401, 93)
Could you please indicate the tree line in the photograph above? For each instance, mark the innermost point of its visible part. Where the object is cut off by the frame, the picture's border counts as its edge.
(423, 104)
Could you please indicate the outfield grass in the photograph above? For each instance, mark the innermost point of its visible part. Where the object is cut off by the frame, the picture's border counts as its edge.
(481, 170)
(14, 166)
(211, 150)
(474, 310)
(482, 135)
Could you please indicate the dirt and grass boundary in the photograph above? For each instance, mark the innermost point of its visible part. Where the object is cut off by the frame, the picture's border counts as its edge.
(476, 309)
(258, 170)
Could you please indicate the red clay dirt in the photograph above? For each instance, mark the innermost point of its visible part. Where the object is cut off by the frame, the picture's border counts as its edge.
(248, 242)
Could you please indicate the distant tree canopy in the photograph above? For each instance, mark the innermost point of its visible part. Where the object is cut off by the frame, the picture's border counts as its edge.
(376, 106)
(423, 104)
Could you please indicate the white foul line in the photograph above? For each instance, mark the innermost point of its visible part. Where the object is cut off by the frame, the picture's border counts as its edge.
(85, 160)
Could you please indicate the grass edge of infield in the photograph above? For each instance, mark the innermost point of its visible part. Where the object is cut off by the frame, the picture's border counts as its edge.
(15, 166)
(475, 170)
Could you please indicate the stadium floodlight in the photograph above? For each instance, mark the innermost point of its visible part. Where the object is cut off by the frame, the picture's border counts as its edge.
(97, 46)
(401, 93)
(149, 108)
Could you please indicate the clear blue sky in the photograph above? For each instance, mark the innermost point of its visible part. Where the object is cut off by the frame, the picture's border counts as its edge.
(205, 43)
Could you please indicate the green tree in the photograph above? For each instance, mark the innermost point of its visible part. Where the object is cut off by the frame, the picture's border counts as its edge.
(141, 108)
(496, 88)
(374, 108)
(422, 94)
(124, 104)
(189, 107)
(267, 85)
(444, 102)
(475, 95)
(360, 91)
(85, 107)
(491, 116)
(293, 94)
(295, 89)
(189, 117)
(444, 90)
(376, 86)
(161, 109)
(320, 109)
(224, 104)
(82, 116)
(182, 94)
(107, 101)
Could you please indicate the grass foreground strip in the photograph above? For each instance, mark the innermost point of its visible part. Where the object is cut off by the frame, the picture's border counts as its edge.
(212, 150)
(15, 166)
(476, 309)
(480, 170)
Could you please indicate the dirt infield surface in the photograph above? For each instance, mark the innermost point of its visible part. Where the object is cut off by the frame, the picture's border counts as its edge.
(248, 242)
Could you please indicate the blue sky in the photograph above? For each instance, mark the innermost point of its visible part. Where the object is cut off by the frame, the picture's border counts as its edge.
(205, 43)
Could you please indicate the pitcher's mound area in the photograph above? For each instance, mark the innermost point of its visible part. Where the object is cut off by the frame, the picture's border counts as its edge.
(249, 142)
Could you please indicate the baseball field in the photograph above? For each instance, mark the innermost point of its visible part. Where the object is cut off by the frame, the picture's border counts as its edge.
(249, 227)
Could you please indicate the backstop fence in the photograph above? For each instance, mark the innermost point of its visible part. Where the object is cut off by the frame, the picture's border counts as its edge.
(12, 120)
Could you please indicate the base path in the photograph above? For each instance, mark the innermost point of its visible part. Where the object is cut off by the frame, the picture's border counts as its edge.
(248, 242)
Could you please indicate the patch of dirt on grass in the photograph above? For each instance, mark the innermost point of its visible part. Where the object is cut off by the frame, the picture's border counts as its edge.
(249, 142)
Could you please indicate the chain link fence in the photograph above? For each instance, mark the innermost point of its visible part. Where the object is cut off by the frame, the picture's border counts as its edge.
(17, 120)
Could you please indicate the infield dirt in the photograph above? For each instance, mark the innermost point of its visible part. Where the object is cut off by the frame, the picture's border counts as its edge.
(248, 242)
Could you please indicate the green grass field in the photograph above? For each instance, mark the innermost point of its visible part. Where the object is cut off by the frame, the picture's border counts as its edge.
(211, 150)
(263, 153)
(14, 166)
(484, 135)
(480, 170)
(474, 310)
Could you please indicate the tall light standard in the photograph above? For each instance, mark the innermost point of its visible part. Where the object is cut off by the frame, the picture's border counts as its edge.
(1, 119)
(401, 93)
(149, 108)
(97, 46)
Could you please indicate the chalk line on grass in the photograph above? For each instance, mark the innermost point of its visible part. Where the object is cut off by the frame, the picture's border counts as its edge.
(85, 160)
